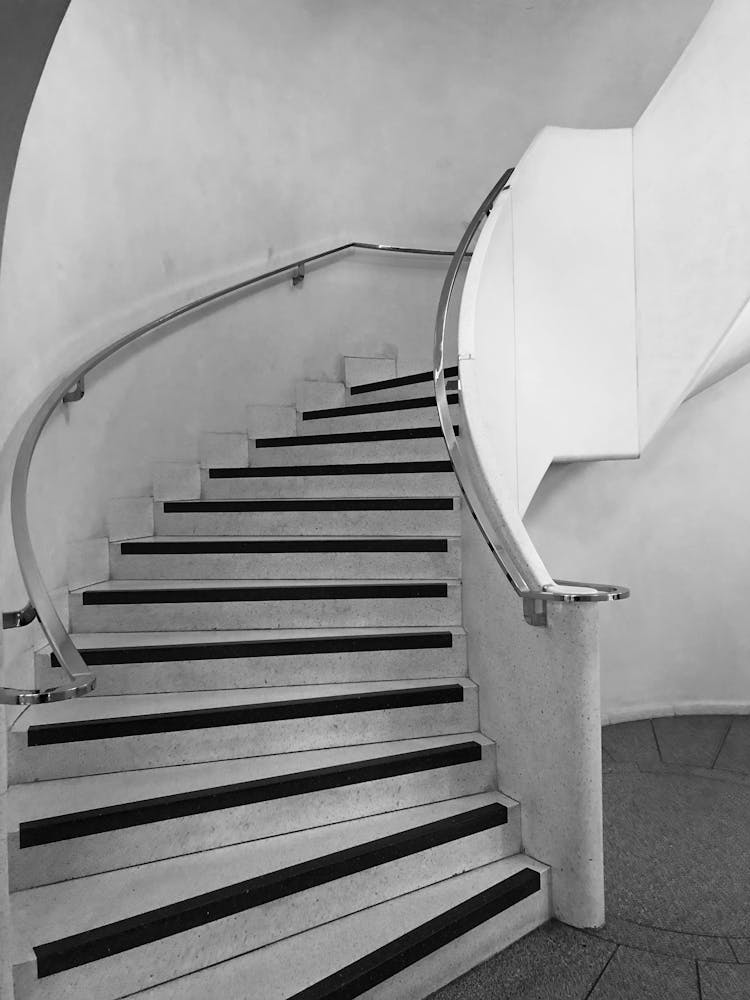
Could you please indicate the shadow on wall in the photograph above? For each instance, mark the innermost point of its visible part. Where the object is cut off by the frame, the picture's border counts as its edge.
(674, 526)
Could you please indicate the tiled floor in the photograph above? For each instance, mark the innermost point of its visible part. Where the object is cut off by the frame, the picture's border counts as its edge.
(677, 862)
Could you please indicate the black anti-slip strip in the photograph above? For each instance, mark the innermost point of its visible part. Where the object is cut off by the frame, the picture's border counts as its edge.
(352, 469)
(185, 915)
(385, 407)
(352, 437)
(242, 546)
(395, 383)
(243, 595)
(216, 717)
(108, 656)
(383, 963)
(167, 807)
(267, 506)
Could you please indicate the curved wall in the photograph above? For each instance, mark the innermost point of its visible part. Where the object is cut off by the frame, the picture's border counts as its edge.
(691, 150)
(174, 146)
(674, 526)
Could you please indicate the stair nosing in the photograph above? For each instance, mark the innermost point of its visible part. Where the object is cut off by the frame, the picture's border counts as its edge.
(221, 716)
(442, 639)
(154, 809)
(397, 955)
(300, 505)
(441, 466)
(396, 383)
(352, 437)
(186, 914)
(237, 545)
(382, 406)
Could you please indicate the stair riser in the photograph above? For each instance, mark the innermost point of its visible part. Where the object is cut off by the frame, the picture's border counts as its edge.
(402, 450)
(423, 416)
(138, 845)
(418, 484)
(313, 613)
(269, 671)
(220, 940)
(453, 959)
(288, 565)
(158, 750)
(375, 522)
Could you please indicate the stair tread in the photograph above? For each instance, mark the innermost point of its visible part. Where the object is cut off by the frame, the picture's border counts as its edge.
(161, 539)
(350, 437)
(117, 706)
(60, 796)
(330, 504)
(107, 586)
(383, 406)
(49, 913)
(393, 383)
(314, 955)
(405, 467)
(114, 640)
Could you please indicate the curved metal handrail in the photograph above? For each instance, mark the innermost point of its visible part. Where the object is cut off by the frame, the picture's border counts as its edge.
(534, 599)
(81, 680)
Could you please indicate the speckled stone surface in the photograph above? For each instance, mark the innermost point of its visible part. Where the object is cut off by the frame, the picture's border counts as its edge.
(554, 961)
(677, 874)
(724, 982)
(678, 852)
(634, 975)
(688, 739)
(735, 753)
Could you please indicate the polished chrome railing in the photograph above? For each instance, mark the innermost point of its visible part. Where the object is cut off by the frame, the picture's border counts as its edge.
(69, 388)
(478, 494)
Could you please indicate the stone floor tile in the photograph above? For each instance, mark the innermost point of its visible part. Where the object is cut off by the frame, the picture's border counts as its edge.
(724, 982)
(741, 949)
(630, 741)
(637, 975)
(691, 739)
(697, 946)
(609, 765)
(554, 962)
(735, 754)
(732, 777)
(677, 854)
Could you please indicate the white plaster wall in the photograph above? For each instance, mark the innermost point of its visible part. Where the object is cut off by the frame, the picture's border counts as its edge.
(172, 146)
(691, 155)
(674, 526)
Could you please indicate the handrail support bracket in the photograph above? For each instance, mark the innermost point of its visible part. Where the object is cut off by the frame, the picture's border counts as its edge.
(76, 391)
(298, 275)
(18, 619)
(535, 611)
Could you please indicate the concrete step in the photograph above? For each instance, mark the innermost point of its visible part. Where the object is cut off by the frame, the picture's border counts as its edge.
(300, 558)
(355, 479)
(96, 735)
(416, 411)
(111, 934)
(409, 444)
(172, 605)
(345, 516)
(402, 949)
(140, 662)
(70, 827)
(405, 387)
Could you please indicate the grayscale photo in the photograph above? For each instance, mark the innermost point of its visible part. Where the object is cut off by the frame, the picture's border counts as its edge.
(374, 499)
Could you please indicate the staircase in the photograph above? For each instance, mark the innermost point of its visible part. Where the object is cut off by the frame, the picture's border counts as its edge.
(279, 789)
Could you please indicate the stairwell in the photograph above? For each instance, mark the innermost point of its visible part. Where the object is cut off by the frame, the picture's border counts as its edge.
(279, 789)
